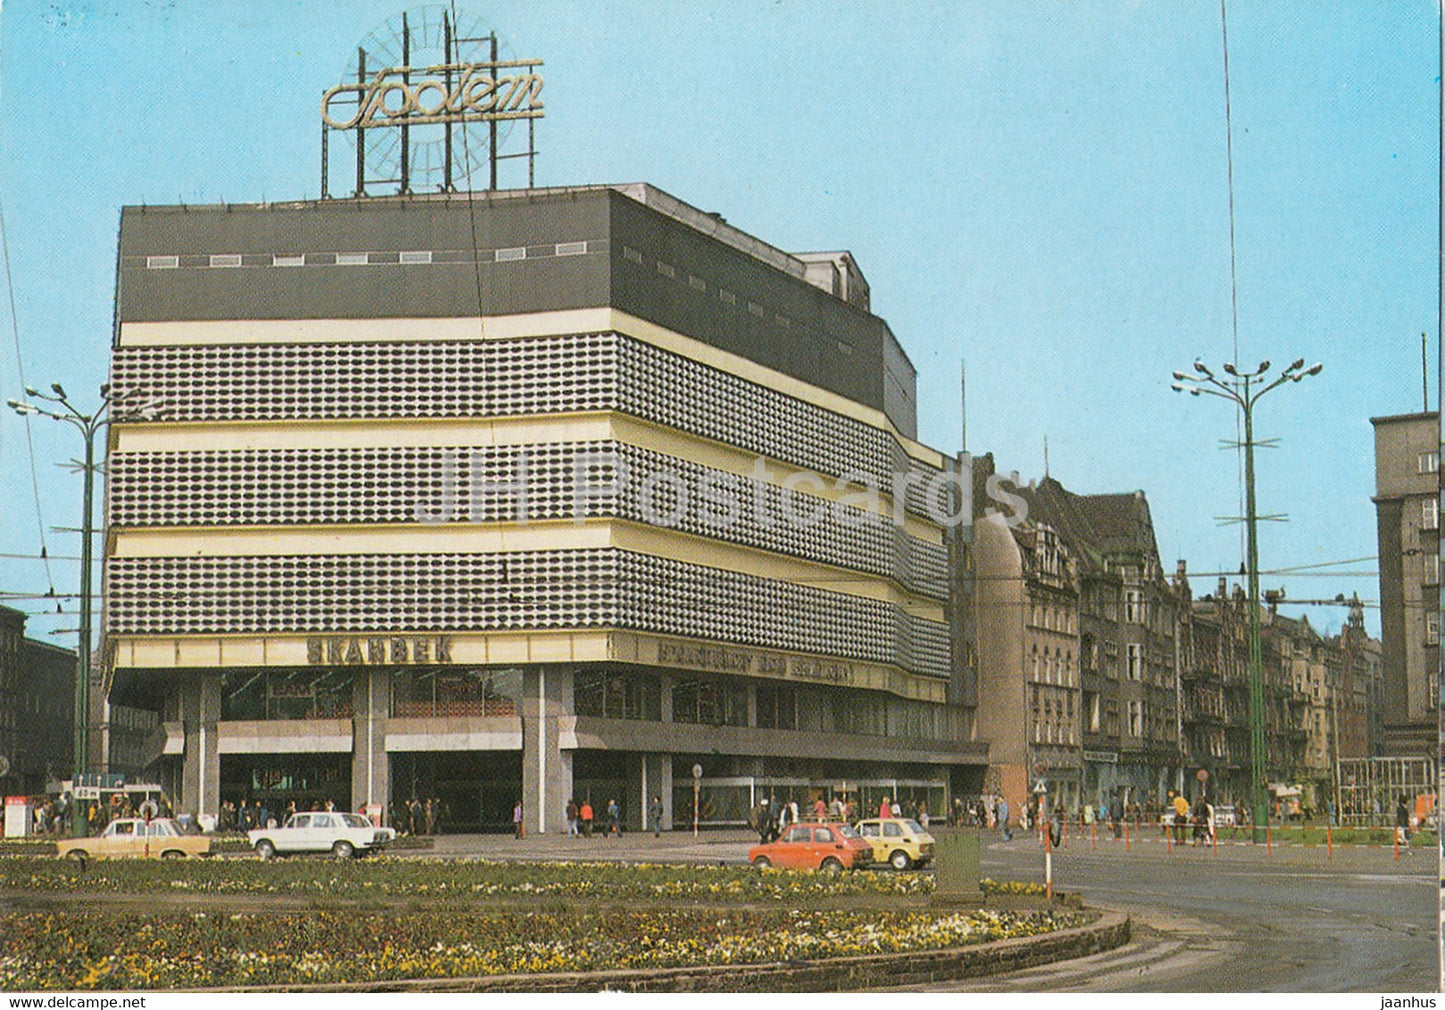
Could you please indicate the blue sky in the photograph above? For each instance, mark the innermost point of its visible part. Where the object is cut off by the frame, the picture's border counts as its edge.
(1037, 187)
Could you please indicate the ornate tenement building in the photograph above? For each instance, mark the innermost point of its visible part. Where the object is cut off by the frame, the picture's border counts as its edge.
(1128, 671)
(439, 507)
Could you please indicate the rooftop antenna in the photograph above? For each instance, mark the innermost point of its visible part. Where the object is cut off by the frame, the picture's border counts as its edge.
(963, 406)
(1046, 456)
(1424, 375)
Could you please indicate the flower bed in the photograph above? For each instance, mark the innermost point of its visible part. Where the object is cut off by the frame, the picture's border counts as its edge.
(449, 879)
(90, 949)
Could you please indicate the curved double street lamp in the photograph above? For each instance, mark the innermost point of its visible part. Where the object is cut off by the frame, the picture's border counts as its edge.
(130, 406)
(1244, 389)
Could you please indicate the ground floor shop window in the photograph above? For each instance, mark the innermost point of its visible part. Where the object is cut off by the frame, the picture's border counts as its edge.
(281, 782)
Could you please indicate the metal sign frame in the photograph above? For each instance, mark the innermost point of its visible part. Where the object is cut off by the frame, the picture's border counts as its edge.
(464, 88)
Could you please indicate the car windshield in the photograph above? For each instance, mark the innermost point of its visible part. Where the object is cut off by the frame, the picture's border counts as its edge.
(846, 831)
(355, 821)
(913, 826)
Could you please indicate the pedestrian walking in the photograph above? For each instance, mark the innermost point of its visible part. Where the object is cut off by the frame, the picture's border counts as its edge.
(614, 818)
(1000, 813)
(1402, 824)
(585, 812)
(572, 818)
(518, 829)
(654, 816)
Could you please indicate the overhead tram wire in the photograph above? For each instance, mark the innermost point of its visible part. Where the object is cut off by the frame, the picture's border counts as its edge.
(29, 438)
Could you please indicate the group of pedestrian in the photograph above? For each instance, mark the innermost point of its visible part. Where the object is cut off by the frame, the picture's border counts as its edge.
(416, 816)
(581, 818)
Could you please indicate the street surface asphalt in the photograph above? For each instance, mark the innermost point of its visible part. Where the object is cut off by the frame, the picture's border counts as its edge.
(1205, 920)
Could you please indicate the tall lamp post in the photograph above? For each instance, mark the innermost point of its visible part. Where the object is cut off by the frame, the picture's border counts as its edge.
(58, 407)
(1244, 389)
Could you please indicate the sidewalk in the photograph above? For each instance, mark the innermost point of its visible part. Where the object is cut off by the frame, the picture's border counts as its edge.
(720, 846)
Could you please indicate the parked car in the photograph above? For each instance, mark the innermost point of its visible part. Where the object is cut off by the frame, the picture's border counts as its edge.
(342, 834)
(814, 847)
(136, 837)
(900, 842)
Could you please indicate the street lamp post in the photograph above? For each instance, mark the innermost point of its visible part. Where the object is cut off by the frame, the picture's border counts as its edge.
(89, 425)
(1244, 389)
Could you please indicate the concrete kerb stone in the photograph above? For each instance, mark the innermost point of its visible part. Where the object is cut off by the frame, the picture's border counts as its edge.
(1111, 929)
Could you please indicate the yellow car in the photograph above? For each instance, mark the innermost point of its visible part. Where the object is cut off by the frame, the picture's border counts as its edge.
(898, 841)
(130, 836)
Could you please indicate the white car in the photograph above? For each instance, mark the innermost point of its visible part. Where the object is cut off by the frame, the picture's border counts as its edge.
(342, 834)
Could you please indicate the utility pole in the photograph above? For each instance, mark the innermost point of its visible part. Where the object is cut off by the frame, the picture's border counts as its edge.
(1244, 389)
(89, 426)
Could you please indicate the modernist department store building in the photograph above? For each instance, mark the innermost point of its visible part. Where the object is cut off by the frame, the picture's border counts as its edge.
(482, 497)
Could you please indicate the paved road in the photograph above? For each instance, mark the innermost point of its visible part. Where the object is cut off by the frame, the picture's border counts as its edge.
(1231, 919)
(1239, 919)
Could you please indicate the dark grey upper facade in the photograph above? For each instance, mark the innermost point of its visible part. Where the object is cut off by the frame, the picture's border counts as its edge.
(509, 252)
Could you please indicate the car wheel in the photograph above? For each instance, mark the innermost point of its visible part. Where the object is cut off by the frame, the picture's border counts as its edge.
(762, 862)
(831, 865)
(265, 849)
(173, 854)
(343, 849)
(899, 860)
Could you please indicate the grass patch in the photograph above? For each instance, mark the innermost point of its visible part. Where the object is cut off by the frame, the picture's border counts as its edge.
(461, 879)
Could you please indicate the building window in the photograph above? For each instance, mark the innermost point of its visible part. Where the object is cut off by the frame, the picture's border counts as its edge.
(288, 261)
(1091, 710)
(710, 703)
(1133, 606)
(1430, 514)
(666, 269)
(629, 253)
(450, 693)
(777, 706)
(727, 297)
(1432, 628)
(286, 694)
(510, 255)
(162, 262)
(226, 260)
(610, 694)
(1429, 462)
(351, 259)
(1136, 718)
(415, 256)
(696, 283)
(1135, 661)
(571, 248)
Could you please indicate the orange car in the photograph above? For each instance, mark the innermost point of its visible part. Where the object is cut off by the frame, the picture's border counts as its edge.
(830, 847)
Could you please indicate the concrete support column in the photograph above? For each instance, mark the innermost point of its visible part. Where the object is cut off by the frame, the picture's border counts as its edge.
(200, 710)
(657, 781)
(546, 768)
(370, 769)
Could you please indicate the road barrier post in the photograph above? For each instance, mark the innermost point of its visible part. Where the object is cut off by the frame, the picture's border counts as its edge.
(1168, 839)
(1268, 841)
(1093, 836)
(1397, 843)
(1126, 836)
(1048, 864)
(1329, 841)
(1214, 838)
